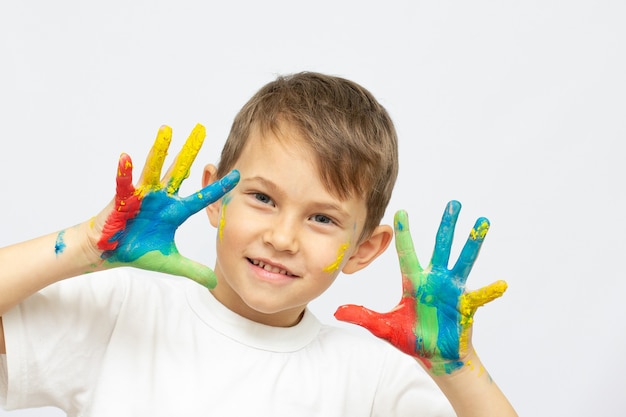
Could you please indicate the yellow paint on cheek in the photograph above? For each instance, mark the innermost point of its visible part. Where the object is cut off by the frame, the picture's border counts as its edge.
(340, 253)
(220, 227)
(222, 222)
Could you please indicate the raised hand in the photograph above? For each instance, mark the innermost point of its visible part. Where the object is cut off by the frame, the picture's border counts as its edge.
(139, 230)
(433, 320)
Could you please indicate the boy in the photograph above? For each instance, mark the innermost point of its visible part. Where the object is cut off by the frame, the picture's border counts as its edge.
(315, 158)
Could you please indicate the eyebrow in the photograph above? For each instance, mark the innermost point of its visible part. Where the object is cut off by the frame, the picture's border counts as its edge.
(267, 183)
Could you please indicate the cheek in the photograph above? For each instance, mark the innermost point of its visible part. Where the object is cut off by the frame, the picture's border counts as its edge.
(221, 216)
(338, 260)
(235, 225)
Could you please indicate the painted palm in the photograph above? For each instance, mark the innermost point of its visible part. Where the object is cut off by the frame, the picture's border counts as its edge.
(140, 230)
(433, 320)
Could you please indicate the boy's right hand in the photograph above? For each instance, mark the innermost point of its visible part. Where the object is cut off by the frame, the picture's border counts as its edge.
(137, 229)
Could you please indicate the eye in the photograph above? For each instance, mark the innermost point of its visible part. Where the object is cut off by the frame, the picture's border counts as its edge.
(263, 198)
(320, 218)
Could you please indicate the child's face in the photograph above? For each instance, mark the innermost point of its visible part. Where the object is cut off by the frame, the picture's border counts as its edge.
(282, 237)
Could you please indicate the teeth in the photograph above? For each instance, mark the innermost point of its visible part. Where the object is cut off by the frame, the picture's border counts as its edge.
(271, 268)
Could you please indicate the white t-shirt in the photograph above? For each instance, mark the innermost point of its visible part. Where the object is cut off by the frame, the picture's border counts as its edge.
(127, 343)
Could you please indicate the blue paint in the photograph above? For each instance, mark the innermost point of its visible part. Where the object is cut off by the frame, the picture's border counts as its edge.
(152, 229)
(154, 226)
(59, 245)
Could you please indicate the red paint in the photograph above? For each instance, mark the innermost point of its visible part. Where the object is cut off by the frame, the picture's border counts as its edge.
(127, 205)
(396, 326)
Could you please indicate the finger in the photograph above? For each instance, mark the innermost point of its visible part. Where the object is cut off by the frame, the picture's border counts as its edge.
(174, 263)
(195, 271)
(211, 192)
(470, 251)
(180, 170)
(478, 298)
(395, 326)
(409, 264)
(366, 318)
(124, 181)
(445, 234)
(151, 175)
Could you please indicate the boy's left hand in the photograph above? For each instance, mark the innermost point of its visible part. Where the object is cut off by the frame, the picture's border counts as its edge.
(433, 320)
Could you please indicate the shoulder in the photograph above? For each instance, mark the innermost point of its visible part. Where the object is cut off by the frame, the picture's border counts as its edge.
(377, 370)
(101, 293)
(362, 350)
(340, 336)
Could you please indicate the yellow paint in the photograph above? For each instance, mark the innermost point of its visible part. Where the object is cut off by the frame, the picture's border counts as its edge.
(152, 173)
(469, 303)
(185, 158)
(220, 230)
(340, 254)
(480, 233)
(481, 369)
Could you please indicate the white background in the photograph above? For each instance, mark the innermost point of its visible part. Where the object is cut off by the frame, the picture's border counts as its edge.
(517, 109)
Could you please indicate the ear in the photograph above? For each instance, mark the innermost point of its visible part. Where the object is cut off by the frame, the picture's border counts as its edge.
(213, 210)
(369, 249)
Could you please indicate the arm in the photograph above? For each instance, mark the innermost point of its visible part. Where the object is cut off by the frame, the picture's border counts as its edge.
(136, 229)
(433, 320)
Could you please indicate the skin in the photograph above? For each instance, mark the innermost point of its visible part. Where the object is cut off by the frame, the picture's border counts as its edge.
(282, 235)
(140, 230)
(433, 320)
(136, 229)
(282, 242)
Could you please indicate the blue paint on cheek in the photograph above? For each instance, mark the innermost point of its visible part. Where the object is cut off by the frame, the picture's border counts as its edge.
(59, 245)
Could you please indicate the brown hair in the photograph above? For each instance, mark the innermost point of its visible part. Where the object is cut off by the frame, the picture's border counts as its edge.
(349, 131)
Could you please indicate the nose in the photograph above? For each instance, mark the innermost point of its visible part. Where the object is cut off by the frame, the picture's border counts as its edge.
(282, 234)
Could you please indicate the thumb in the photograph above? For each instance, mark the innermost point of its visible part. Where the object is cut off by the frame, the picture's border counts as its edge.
(396, 326)
(176, 264)
(193, 270)
(366, 318)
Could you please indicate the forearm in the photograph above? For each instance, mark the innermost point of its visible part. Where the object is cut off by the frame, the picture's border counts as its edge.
(472, 392)
(27, 267)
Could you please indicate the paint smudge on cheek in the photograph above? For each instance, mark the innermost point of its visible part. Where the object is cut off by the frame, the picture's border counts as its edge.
(59, 244)
(220, 228)
(340, 254)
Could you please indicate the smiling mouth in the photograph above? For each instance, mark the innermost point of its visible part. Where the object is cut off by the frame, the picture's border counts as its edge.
(271, 268)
